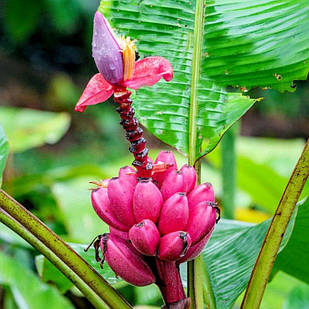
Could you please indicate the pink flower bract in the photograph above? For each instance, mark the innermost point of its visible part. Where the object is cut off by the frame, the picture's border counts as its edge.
(148, 71)
(108, 54)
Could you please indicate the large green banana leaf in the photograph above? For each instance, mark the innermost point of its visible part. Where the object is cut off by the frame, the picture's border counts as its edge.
(243, 43)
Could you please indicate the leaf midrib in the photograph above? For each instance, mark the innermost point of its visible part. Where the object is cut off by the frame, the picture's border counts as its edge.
(196, 66)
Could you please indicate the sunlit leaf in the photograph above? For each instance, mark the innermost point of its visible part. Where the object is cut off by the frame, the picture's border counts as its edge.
(81, 221)
(28, 291)
(245, 44)
(28, 128)
(166, 29)
(298, 298)
(295, 256)
(49, 272)
(250, 43)
(170, 121)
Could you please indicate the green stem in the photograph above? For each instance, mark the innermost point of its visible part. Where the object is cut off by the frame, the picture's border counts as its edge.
(195, 283)
(275, 233)
(26, 235)
(197, 272)
(63, 252)
(195, 267)
(228, 172)
(208, 293)
(196, 63)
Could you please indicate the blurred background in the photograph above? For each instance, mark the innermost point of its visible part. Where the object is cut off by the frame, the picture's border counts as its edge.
(45, 62)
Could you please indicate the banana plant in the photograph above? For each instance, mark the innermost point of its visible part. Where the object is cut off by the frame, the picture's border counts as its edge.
(211, 45)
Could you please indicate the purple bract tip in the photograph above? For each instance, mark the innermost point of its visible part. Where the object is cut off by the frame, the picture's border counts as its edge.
(106, 50)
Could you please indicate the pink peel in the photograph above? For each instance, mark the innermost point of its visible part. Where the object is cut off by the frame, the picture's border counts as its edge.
(201, 221)
(147, 201)
(174, 214)
(102, 207)
(145, 237)
(126, 262)
(174, 245)
(120, 194)
(172, 184)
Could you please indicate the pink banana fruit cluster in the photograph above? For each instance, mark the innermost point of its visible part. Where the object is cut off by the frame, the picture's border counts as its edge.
(153, 221)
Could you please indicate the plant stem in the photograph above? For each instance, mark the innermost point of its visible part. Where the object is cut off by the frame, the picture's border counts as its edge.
(196, 63)
(65, 253)
(195, 283)
(26, 235)
(208, 293)
(228, 172)
(275, 233)
(171, 289)
(194, 270)
(197, 272)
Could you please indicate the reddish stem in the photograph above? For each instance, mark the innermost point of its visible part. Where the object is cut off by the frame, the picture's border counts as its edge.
(170, 285)
(134, 133)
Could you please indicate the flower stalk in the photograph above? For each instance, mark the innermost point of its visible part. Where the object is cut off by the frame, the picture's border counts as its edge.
(134, 133)
(170, 285)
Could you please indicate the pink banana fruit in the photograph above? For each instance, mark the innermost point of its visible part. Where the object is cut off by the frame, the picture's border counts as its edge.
(168, 158)
(147, 201)
(120, 193)
(145, 237)
(126, 262)
(202, 219)
(174, 245)
(195, 250)
(189, 177)
(202, 193)
(102, 207)
(120, 234)
(129, 174)
(172, 184)
(174, 214)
